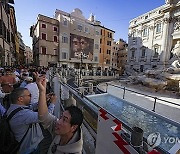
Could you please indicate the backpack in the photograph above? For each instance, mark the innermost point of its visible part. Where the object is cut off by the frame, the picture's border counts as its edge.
(8, 143)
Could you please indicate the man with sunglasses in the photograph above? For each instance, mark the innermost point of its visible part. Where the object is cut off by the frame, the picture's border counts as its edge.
(66, 130)
(25, 120)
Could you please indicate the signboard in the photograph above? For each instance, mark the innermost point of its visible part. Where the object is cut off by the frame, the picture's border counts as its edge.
(80, 44)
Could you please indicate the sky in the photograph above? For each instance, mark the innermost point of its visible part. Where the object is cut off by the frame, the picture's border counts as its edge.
(113, 14)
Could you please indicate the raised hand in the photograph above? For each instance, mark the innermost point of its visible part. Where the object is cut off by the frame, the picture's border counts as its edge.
(41, 82)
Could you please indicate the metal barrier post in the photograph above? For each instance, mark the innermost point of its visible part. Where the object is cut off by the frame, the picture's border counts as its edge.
(137, 139)
(154, 107)
(106, 87)
(124, 92)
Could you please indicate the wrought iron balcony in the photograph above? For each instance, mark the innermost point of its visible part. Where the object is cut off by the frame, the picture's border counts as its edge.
(143, 58)
(155, 59)
(132, 59)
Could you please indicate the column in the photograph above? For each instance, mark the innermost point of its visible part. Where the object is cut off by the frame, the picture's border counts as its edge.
(167, 39)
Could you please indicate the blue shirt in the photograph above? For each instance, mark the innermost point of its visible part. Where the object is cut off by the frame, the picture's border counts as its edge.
(2, 110)
(20, 123)
(23, 84)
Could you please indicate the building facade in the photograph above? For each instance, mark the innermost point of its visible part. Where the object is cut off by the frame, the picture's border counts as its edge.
(68, 39)
(8, 30)
(28, 55)
(119, 56)
(106, 47)
(20, 55)
(45, 34)
(152, 36)
(114, 56)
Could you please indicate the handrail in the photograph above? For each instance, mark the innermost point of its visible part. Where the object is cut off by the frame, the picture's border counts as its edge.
(84, 98)
(155, 98)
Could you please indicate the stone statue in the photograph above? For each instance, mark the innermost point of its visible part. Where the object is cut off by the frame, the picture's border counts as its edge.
(175, 66)
(177, 26)
(167, 1)
(176, 50)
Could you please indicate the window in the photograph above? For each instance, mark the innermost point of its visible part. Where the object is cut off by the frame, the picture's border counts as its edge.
(107, 61)
(80, 27)
(109, 43)
(5, 30)
(43, 36)
(65, 38)
(108, 52)
(65, 22)
(100, 41)
(133, 54)
(96, 46)
(64, 55)
(43, 25)
(145, 32)
(8, 36)
(95, 59)
(86, 30)
(55, 52)
(101, 31)
(97, 32)
(100, 50)
(133, 34)
(156, 49)
(143, 52)
(55, 39)
(43, 50)
(141, 68)
(1, 23)
(55, 29)
(158, 27)
(109, 35)
(12, 38)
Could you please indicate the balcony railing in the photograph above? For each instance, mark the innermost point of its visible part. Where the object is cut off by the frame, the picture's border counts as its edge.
(132, 59)
(143, 58)
(155, 59)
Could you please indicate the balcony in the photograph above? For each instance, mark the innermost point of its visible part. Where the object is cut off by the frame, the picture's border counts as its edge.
(155, 59)
(132, 59)
(143, 59)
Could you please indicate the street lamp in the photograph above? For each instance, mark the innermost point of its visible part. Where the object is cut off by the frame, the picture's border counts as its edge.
(81, 62)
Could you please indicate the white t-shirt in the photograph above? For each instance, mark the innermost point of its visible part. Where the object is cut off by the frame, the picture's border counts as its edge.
(64, 93)
(33, 89)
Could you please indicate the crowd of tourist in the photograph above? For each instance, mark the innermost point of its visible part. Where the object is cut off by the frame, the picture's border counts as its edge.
(34, 126)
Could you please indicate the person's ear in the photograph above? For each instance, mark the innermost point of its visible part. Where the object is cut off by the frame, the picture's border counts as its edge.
(20, 98)
(74, 128)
